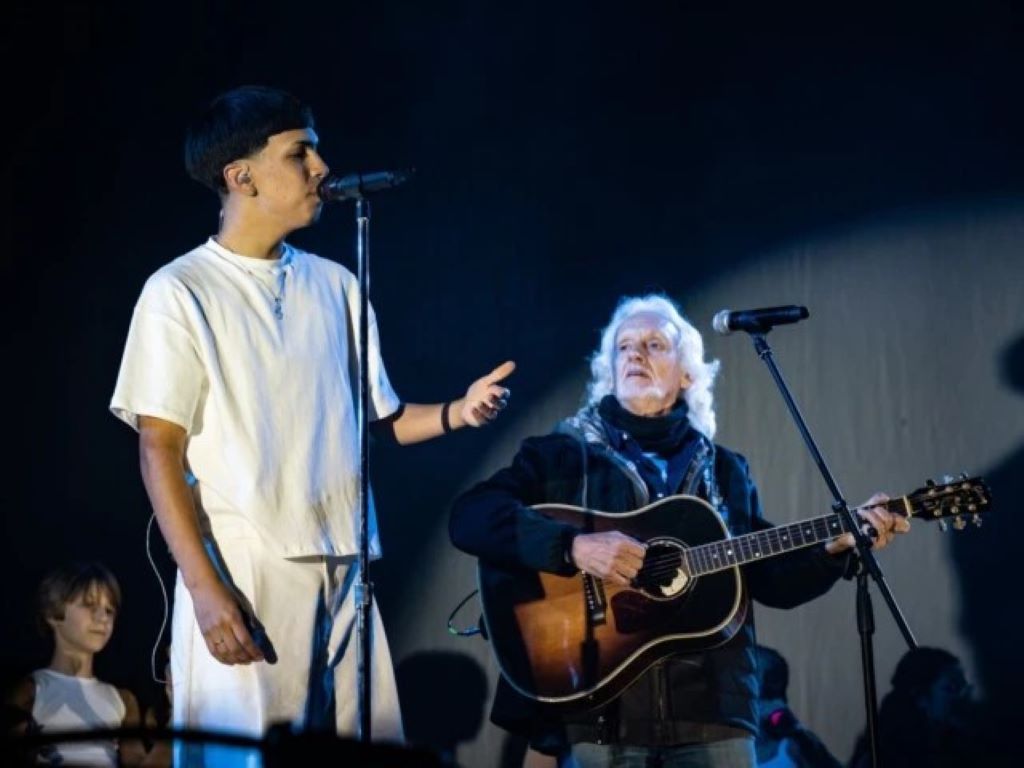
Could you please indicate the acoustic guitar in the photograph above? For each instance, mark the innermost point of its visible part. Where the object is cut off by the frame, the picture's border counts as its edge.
(575, 642)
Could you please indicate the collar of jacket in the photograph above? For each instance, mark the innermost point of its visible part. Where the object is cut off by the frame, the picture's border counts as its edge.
(587, 426)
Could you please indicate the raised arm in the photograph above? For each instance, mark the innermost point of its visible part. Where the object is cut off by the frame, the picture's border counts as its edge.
(484, 400)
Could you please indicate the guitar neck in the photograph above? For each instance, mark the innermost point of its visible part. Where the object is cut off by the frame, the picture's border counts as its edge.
(719, 555)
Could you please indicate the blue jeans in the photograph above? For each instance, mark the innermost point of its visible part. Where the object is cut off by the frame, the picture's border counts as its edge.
(728, 753)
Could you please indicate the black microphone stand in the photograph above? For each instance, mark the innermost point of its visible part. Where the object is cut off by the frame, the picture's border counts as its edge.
(354, 187)
(867, 564)
(363, 585)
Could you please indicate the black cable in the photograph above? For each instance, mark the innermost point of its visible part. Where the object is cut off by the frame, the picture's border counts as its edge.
(462, 632)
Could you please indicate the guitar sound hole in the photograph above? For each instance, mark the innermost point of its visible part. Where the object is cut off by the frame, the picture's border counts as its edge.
(663, 575)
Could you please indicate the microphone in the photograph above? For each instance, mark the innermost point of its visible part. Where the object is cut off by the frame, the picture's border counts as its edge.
(357, 185)
(757, 320)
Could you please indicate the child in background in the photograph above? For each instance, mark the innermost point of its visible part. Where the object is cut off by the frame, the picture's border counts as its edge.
(77, 607)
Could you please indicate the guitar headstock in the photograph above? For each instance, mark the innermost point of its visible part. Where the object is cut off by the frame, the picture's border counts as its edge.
(962, 499)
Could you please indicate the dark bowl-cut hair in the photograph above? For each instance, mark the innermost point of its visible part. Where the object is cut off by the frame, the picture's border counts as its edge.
(237, 124)
(65, 584)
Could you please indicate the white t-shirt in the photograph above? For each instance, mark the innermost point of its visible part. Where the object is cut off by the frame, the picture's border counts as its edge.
(252, 358)
(66, 703)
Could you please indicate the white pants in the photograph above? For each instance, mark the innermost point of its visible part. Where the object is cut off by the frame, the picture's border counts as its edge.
(307, 608)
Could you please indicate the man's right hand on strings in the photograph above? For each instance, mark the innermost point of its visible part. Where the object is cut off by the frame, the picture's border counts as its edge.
(610, 555)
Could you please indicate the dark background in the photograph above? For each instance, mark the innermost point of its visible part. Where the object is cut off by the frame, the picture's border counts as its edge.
(566, 153)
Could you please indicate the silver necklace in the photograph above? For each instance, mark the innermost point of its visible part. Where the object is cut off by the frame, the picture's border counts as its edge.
(278, 273)
(276, 296)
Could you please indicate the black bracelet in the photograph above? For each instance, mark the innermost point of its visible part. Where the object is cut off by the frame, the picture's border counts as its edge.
(445, 424)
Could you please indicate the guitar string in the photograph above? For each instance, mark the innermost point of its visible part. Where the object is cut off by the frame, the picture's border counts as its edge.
(664, 565)
(896, 506)
(810, 532)
(737, 544)
(669, 563)
(767, 534)
(705, 559)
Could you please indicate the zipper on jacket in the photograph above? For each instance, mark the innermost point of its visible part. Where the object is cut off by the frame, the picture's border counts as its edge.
(629, 469)
(660, 702)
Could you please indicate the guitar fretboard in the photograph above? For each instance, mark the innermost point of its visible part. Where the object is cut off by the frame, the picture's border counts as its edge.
(719, 555)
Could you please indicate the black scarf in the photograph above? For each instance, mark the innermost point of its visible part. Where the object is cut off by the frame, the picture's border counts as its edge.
(664, 435)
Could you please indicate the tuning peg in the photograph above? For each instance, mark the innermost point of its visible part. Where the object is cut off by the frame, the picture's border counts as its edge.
(947, 479)
(976, 519)
(963, 475)
(943, 526)
(959, 523)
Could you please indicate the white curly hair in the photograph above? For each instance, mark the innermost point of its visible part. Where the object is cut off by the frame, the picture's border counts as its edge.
(699, 400)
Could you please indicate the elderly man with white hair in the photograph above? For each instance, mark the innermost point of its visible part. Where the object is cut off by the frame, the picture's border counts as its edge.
(645, 434)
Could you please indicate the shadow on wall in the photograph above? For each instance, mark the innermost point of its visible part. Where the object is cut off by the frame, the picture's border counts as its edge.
(444, 698)
(988, 570)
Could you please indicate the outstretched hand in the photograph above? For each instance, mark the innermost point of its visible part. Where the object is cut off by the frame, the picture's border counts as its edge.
(486, 397)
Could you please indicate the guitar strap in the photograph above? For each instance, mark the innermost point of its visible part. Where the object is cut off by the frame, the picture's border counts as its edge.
(701, 480)
(586, 473)
(587, 428)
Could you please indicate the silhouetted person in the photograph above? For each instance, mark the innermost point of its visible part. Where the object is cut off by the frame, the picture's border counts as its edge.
(986, 558)
(782, 740)
(444, 697)
(928, 718)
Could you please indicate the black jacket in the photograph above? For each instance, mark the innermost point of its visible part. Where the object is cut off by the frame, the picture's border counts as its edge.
(683, 699)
